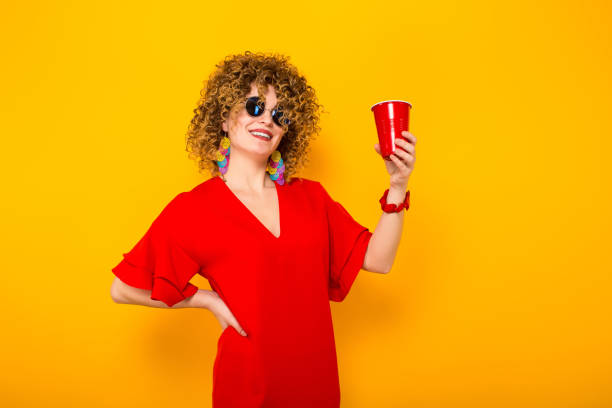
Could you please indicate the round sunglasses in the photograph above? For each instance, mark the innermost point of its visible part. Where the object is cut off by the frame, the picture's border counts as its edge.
(255, 108)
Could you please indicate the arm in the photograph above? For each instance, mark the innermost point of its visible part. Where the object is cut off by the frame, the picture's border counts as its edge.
(126, 294)
(385, 240)
(203, 299)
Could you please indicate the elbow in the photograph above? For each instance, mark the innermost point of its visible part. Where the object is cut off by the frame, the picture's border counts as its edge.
(373, 263)
(382, 270)
(386, 269)
(114, 296)
(115, 291)
(375, 267)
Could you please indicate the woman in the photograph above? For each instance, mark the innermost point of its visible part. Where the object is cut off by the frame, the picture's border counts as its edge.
(275, 249)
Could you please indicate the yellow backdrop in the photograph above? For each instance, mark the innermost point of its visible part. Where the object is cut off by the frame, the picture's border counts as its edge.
(500, 294)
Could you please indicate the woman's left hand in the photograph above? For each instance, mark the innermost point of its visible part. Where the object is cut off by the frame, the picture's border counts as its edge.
(402, 161)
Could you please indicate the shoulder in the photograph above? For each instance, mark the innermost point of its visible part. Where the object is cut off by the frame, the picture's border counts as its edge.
(209, 186)
(203, 196)
(184, 203)
(313, 187)
(309, 187)
(309, 190)
(174, 209)
(304, 183)
(177, 216)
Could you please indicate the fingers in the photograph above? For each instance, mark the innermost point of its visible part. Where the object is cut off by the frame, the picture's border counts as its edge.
(399, 163)
(406, 145)
(404, 156)
(227, 317)
(410, 136)
(238, 328)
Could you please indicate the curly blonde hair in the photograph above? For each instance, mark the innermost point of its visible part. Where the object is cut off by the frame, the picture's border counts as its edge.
(224, 93)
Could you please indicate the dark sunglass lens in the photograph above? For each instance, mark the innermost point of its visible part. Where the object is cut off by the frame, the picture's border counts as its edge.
(279, 119)
(252, 106)
(277, 115)
(255, 108)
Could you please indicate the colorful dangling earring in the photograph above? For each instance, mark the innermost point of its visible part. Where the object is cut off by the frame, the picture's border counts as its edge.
(276, 167)
(223, 155)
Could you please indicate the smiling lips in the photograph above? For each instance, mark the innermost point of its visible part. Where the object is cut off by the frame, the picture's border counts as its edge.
(261, 134)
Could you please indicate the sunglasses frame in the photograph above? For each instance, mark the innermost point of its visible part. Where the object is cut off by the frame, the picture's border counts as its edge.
(254, 101)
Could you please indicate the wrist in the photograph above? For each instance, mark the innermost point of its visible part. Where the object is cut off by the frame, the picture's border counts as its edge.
(395, 200)
(204, 298)
(403, 187)
(396, 194)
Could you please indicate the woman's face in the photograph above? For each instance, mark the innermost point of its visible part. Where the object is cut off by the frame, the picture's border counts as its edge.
(241, 125)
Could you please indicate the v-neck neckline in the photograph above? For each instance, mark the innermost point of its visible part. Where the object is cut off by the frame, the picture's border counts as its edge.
(253, 217)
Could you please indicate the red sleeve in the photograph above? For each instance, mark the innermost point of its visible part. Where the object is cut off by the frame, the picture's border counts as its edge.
(158, 263)
(348, 243)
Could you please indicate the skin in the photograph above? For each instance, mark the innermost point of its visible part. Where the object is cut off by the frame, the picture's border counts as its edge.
(385, 240)
(249, 155)
(248, 180)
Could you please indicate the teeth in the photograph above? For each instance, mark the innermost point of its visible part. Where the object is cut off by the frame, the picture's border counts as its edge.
(261, 134)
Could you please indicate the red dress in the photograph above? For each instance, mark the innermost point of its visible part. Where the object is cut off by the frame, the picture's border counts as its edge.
(277, 288)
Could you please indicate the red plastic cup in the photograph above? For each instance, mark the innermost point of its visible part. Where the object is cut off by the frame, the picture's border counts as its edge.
(392, 118)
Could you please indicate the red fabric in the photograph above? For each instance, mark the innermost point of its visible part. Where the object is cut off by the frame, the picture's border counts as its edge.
(158, 262)
(277, 288)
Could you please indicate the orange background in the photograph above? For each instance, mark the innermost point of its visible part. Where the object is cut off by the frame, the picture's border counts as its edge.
(500, 294)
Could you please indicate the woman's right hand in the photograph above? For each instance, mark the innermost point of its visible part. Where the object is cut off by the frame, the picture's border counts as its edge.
(223, 314)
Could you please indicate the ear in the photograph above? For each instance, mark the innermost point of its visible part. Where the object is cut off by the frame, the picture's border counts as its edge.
(224, 126)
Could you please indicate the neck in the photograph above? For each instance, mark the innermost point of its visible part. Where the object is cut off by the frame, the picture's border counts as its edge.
(247, 173)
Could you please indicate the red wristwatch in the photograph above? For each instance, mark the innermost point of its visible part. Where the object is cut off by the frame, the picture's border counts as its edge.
(390, 208)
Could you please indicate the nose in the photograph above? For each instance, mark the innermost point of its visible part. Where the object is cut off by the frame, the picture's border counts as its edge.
(266, 117)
